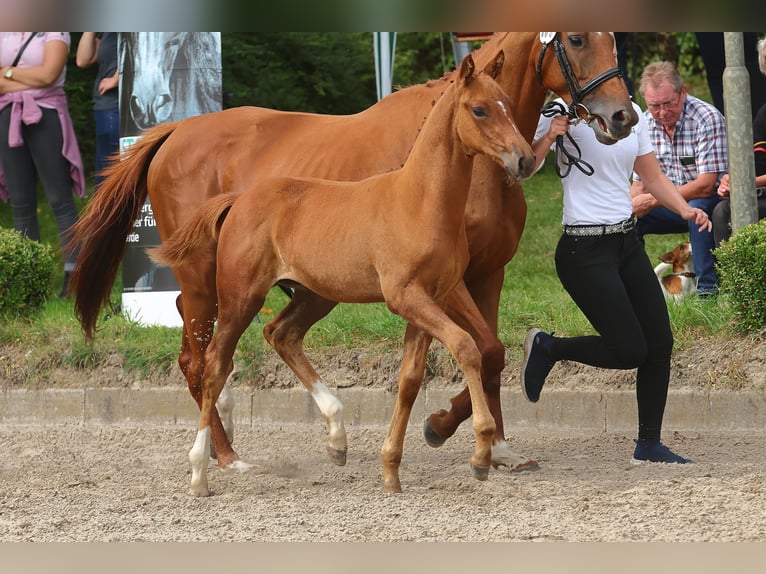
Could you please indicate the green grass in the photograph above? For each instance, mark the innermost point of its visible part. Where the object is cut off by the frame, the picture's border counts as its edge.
(532, 295)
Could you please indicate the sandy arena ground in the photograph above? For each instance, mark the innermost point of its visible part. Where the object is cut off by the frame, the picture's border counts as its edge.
(124, 483)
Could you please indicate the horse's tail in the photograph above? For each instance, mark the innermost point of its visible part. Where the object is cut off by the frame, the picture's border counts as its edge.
(200, 230)
(100, 233)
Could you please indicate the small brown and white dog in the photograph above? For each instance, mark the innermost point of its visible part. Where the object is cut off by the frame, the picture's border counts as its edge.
(681, 281)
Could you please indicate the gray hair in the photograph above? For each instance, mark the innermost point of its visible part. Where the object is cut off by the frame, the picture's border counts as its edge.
(762, 55)
(657, 72)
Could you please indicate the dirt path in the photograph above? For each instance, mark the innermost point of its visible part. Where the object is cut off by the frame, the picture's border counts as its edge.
(127, 483)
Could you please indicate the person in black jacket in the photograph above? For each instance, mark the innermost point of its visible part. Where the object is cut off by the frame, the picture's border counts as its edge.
(722, 211)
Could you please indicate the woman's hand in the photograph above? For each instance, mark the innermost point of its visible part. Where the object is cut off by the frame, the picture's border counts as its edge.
(559, 126)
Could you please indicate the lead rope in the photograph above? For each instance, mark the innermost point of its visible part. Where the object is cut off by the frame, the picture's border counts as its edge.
(564, 156)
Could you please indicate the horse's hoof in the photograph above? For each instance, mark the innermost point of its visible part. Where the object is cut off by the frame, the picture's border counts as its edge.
(479, 472)
(433, 438)
(337, 456)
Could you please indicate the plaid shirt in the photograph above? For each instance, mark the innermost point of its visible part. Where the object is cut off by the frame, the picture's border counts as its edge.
(698, 146)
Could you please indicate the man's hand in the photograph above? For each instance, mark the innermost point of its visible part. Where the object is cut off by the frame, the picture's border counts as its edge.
(643, 204)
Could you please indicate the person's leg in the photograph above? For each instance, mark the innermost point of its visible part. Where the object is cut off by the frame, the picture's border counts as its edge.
(703, 243)
(21, 178)
(107, 140)
(45, 142)
(653, 374)
(660, 221)
(761, 207)
(721, 221)
(651, 312)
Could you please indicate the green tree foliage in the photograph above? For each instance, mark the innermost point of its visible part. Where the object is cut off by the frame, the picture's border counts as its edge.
(681, 48)
(320, 72)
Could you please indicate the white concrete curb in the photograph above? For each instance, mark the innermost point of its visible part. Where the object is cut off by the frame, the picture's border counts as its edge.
(582, 411)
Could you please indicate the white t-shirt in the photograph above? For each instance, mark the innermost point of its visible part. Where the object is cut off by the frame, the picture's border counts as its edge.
(604, 197)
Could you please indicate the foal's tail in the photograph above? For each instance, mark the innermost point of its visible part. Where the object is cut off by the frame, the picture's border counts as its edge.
(200, 230)
(104, 225)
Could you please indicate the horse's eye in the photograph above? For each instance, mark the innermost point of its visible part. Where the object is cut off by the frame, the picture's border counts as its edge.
(576, 41)
(479, 112)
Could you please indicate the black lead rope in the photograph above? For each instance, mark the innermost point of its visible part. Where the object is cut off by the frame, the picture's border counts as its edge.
(564, 156)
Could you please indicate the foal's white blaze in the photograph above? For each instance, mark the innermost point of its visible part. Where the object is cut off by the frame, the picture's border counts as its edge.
(199, 455)
(332, 411)
(501, 105)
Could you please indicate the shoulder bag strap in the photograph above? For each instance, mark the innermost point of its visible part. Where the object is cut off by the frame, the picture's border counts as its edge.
(21, 50)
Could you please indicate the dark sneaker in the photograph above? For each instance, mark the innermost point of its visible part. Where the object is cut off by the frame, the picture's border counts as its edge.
(537, 363)
(648, 450)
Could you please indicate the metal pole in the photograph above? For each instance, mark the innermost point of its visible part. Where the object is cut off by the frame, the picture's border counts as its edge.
(739, 133)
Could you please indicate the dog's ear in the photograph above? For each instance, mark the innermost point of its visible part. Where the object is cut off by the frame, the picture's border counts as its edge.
(667, 257)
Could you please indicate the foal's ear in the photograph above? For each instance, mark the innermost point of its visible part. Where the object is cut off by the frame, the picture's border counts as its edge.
(495, 66)
(466, 69)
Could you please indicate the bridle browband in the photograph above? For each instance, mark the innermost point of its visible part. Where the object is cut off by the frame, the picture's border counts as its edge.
(577, 93)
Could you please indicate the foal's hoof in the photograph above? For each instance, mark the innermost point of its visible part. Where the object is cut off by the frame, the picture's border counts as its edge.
(433, 438)
(337, 456)
(479, 472)
(199, 491)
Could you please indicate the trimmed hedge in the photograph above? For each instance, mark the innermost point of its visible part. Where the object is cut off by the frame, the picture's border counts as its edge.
(742, 275)
(26, 274)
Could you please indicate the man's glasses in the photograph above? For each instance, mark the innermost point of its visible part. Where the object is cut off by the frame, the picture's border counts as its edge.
(669, 105)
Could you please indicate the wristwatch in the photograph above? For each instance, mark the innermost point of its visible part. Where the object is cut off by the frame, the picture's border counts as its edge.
(9, 73)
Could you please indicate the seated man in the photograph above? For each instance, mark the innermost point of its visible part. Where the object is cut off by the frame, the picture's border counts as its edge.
(722, 212)
(689, 140)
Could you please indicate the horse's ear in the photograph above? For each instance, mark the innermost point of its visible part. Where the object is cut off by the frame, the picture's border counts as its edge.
(495, 66)
(466, 69)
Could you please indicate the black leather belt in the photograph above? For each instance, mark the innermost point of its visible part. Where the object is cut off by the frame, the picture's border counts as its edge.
(596, 230)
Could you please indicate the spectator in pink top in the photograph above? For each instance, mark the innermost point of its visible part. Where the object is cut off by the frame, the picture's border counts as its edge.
(37, 137)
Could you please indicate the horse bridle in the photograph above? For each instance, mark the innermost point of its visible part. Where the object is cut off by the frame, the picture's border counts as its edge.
(577, 93)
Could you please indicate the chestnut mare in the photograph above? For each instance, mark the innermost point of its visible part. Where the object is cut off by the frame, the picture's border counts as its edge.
(397, 237)
(182, 164)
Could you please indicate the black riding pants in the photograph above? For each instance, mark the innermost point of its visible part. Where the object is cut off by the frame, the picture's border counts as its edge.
(612, 281)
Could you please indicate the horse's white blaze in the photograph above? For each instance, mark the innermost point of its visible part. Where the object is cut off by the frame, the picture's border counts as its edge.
(332, 410)
(225, 406)
(198, 457)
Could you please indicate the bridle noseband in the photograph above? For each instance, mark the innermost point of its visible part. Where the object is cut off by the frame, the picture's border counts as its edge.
(577, 93)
